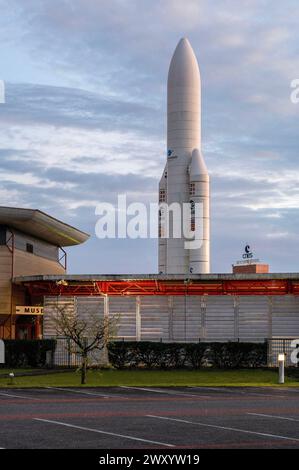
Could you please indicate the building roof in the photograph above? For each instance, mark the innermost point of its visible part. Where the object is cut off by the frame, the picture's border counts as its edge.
(159, 277)
(156, 284)
(41, 225)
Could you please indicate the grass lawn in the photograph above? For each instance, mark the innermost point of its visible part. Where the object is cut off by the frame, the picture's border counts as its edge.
(148, 378)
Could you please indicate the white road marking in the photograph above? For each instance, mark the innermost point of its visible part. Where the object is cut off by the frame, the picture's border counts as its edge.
(261, 389)
(225, 428)
(103, 432)
(167, 392)
(217, 389)
(241, 392)
(266, 395)
(10, 395)
(103, 395)
(272, 416)
(37, 390)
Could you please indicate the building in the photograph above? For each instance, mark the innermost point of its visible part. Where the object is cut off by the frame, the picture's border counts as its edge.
(31, 243)
(249, 264)
(251, 268)
(212, 307)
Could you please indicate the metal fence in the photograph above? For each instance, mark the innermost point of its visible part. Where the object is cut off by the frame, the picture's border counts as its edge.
(286, 346)
(66, 354)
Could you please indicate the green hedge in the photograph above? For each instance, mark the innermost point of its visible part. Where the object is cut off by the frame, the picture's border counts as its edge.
(151, 355)
(27, 353)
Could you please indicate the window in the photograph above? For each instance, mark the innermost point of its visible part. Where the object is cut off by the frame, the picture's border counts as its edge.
(29, 248)
(160, 224)
(162, 195)
(192, 189)
(2, 235)
(192, 209)
(161, 230)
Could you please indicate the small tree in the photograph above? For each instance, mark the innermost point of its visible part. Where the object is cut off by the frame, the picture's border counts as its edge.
(87, 336)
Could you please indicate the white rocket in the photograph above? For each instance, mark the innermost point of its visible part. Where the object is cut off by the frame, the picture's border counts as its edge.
(185, 178)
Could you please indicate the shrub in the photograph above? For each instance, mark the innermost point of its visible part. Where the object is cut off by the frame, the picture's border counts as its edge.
(27, 353)
(152, 355)
(195, 354)
(121, 354)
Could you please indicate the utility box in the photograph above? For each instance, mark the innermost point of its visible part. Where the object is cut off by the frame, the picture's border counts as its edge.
(2, 352)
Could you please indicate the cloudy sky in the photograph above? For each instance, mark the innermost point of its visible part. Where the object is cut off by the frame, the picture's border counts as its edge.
(84, 118)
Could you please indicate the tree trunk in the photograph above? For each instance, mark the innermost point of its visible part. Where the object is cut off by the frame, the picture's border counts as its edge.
(83, 369)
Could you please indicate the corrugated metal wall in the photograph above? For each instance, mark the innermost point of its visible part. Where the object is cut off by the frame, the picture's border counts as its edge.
(285, 316)
(124, 308)
(154, 318)
(190, 318)
(254, 317)
(52, 306)
(220, 318)
(87, 306)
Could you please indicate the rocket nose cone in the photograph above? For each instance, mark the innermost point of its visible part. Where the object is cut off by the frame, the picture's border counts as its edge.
(182, 45)
(183, 69)
(198, 166)
(184, 41)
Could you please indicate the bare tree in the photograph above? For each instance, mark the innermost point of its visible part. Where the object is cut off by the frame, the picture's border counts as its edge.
(86, 336)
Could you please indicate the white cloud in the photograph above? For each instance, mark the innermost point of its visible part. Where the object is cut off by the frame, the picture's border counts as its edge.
(278, 235)
(82, 151)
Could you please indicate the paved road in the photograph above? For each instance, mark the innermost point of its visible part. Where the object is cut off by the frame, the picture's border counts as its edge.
(164, 418)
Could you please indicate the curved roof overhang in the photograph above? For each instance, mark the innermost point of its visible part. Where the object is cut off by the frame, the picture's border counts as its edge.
(41, 225)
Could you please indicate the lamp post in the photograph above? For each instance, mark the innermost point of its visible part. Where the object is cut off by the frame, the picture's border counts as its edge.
(281, 361)
(11, 377)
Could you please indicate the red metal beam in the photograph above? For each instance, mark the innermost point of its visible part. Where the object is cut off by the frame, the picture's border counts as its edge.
(157, 287)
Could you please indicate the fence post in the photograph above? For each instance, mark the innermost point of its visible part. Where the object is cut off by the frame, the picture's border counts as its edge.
(68, 353)
(49, 359)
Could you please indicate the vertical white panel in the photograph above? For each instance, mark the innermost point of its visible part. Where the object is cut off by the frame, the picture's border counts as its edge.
(220, 320)
(138, 319)
(124, 308)
(285, 320)
(90, 307)
(170, 317)
(236, 318)
(52, 305)
(154, 318)
(194, 317)
(253, 317)
(180, 318)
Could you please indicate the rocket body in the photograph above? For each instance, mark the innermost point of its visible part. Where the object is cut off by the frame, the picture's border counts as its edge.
(185, 180)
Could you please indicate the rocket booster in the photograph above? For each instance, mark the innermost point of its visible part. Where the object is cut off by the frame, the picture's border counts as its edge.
(185, 179)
